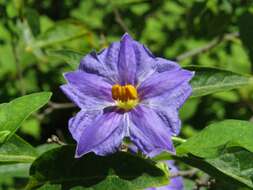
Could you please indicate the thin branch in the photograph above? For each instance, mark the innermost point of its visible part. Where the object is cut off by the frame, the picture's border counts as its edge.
(119, 20)
(188, 173)
(207, 47)
(178, 140)
(54, 106)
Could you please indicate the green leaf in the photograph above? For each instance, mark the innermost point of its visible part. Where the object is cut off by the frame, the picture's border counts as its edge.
(32, 18)
(236, 163)
(223, 149)
(14, 113)
(232, 167)
(73, 58)
(3, 135)
(118, 171)
(61, 32)
(216, 137)
(46, 147)
(211, 80)
(50, 187)
(31, 127)
(15, 170)
(16, 150)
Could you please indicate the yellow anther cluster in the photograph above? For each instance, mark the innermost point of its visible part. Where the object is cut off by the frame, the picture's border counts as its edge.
(126, 96)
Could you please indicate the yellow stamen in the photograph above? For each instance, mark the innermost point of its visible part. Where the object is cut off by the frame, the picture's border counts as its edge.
(125, 96)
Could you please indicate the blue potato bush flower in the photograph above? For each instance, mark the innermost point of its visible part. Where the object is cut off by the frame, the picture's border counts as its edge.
(125, 91)
(176, 183)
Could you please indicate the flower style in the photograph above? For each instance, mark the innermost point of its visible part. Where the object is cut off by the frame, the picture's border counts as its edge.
(125, 91)
(176, 183)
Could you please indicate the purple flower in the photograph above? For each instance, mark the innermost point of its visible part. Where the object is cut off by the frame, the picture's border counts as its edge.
(124, 91)
(176, 183)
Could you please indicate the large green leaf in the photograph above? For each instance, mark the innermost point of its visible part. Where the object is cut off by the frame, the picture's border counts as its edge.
(226, 147)
(236, 163)
(118, 171)
(20, 170)
(4, 135)
(17, 150)
(14, 113)
(232, 168)
(59, 33)
(73, 58)
(15, 154)
(46, 147)
(216, 137)
(211, 80)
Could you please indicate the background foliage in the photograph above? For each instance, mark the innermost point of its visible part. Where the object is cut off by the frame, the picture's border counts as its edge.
(38, 39)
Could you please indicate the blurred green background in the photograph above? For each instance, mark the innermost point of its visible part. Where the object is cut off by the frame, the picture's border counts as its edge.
(34, 35)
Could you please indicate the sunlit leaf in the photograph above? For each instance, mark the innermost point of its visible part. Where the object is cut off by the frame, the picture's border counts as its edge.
(73, 58)
(59, 33)
(16, 150)
(14, 113)
(211, 80)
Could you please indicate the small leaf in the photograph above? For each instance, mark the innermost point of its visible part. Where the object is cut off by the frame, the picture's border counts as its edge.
(61, 32)
(118, 171)
(16, 150)
(71, 57)
(211, 80)
(14, 113)
(32, 18)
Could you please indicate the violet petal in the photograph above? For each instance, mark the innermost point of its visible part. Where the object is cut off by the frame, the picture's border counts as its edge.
(103, 135)
(160, 83)
(148, 132)
(90, 84)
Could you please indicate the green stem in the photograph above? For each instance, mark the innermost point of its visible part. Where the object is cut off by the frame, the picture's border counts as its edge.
(178, 140)
(31, 184)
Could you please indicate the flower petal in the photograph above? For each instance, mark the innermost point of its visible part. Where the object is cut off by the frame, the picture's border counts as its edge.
(103, 136)
(127, 61)
(173, 98)
(104, 63)
(148, 132)
(163, 65)
(160, 83)
(83, 101)
(145, 62)
(170, 117)
(176, 183)
(90, 84)
(78, 123)
(167, 105)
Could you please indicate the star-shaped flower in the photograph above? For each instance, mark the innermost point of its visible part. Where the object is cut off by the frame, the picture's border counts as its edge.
(125, 91)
